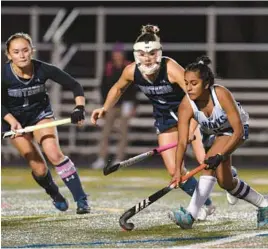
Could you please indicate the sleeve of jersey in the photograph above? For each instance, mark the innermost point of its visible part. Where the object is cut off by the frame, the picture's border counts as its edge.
(4, 109)
(64, 79)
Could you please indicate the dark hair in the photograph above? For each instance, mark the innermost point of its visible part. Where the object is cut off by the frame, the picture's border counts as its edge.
(18, 35)
(201, 66)
(149, 33)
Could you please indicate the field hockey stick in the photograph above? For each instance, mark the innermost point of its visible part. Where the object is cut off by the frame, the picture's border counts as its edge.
(36, 127)
(108, 169)
(151, 199)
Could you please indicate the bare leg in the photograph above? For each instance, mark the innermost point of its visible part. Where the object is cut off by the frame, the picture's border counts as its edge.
(40, 172)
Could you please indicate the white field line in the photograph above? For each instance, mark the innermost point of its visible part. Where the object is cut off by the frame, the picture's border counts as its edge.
(27, 191)
(36, 191)
(62, 189)
(224, 241)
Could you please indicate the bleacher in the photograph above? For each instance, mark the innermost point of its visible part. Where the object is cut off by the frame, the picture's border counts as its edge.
(252, 93)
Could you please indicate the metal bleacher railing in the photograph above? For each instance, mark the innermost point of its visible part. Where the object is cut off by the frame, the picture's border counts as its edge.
(84, 141)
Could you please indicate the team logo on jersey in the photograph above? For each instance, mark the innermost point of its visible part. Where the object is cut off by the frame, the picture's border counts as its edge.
(156, 90)
(27, 91)
(216, 124)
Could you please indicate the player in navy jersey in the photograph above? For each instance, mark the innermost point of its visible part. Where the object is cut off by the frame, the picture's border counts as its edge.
(161, 79)
(25, 102)
(219, 115)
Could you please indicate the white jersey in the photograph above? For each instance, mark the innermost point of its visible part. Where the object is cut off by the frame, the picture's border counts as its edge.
(217, 123)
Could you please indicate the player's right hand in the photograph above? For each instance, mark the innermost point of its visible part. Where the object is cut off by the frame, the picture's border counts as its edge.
(214, 161)
(96, 114)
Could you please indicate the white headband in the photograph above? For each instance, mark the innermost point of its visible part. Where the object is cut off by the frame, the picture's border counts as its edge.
(200, 62)
(147, 46)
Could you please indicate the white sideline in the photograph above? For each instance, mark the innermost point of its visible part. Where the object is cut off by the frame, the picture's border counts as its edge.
(223, 241)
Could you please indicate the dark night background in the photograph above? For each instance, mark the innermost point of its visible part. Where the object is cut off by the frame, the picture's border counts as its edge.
(241, 29)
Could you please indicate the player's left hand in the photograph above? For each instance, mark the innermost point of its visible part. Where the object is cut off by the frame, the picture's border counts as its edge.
(78, 115)
(175, 180)
(191, 138)
(214, 161)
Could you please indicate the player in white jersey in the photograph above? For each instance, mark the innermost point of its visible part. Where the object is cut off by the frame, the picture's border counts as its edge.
(218, 114)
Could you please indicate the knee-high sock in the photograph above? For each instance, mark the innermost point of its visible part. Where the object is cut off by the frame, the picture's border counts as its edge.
(202, 191)
(67, 171)
(189, 187)
(245, 192)
(47, 183)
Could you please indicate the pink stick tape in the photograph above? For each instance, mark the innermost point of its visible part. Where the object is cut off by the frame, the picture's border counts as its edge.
(166, 147)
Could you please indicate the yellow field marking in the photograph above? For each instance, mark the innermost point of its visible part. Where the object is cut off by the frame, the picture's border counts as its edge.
(113, 210)
(12, 218)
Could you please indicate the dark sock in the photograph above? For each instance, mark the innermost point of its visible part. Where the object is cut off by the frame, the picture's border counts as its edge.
(47, 183)
(68, 174)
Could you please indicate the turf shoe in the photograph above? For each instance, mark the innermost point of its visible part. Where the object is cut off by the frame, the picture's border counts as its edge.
(82, 206)
(232, 200)
(262, 217)
(182, 218)
(60, 202)
(205, 211)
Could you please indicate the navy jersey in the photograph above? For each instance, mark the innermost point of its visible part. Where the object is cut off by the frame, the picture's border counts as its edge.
(27, 100)
(164, 96)
(21, 94)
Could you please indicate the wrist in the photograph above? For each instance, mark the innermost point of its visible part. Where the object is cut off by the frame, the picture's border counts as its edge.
(104, 109)
(9, 118)
(224, 157)
(82, 107)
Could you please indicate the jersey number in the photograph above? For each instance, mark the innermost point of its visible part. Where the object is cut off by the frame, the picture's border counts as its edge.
(26, 102)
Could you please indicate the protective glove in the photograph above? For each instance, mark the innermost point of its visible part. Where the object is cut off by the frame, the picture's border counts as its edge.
(78, 114)
(214, 161)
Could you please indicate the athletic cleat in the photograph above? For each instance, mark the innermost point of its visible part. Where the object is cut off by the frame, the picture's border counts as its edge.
(82, 206)
(205, 211)
(60, 202)
(232, 200)
(262, 217)
(182, 218)
(234, 171)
